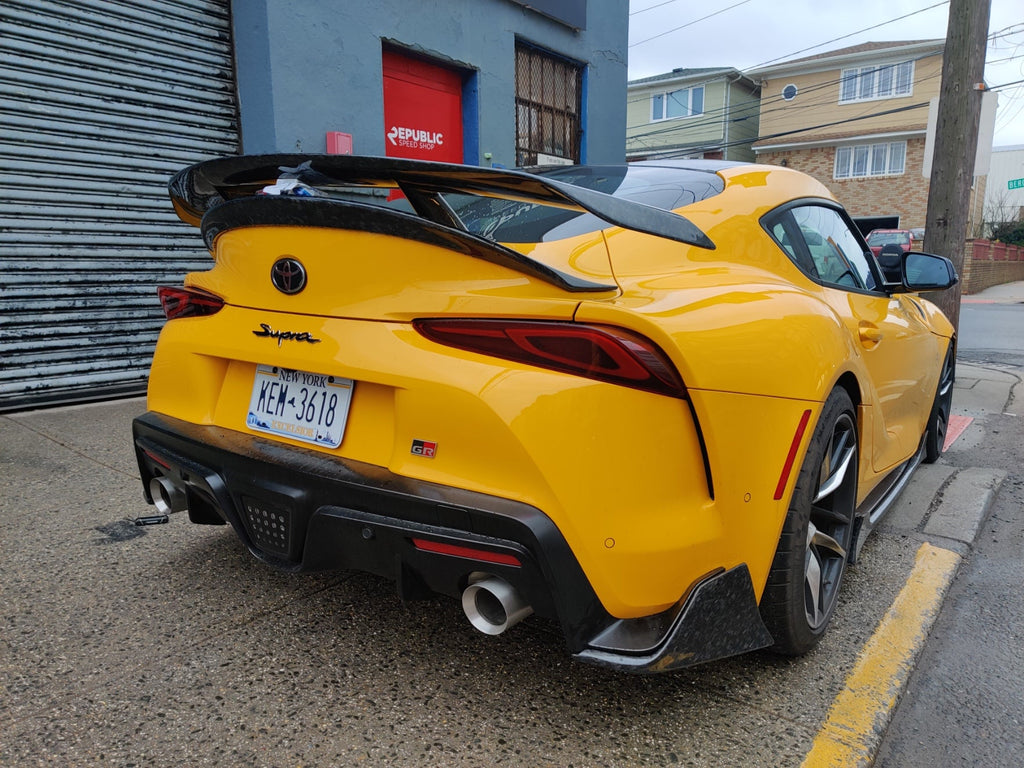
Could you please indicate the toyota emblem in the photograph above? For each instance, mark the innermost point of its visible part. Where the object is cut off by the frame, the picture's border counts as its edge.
(288, 275)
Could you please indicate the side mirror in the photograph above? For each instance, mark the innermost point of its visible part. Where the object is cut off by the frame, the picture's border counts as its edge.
(927, 272)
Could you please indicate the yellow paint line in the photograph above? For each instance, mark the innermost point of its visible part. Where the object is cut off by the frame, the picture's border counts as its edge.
(858, 716)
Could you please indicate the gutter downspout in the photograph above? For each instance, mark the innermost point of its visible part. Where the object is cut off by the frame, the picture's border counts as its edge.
(728, 118)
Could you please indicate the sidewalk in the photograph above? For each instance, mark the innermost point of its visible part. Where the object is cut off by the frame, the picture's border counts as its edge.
(1007, 293)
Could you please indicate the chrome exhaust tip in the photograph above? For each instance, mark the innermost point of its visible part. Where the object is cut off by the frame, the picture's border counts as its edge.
(167, 497)
(492, 605)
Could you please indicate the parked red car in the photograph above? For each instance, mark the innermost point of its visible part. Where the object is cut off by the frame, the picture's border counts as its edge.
(879, 238)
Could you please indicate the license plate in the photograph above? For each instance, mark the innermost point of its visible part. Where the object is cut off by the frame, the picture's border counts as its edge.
(304, 406)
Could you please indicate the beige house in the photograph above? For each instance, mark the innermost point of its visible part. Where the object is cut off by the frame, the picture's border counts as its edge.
(856, 120)
(704, 113)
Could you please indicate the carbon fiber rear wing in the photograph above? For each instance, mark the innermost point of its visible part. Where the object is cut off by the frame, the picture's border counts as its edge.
(218, 185)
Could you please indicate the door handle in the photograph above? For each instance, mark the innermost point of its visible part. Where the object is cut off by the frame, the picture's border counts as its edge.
(869, 333)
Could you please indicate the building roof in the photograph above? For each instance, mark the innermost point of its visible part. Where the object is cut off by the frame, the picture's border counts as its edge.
(863, 48)
(853, 52)
(682, 73)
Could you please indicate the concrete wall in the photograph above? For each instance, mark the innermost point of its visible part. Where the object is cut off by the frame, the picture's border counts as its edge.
(307, 68)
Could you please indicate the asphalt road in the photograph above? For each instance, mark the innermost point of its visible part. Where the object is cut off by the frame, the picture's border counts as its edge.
(992, 325)
(170, 645)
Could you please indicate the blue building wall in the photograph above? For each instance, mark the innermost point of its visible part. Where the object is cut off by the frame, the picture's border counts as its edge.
(305, 68)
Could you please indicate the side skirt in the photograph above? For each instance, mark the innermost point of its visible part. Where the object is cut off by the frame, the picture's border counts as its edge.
(881, 499)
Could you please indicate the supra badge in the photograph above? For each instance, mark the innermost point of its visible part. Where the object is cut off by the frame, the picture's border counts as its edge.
(266, 330)
(424, 448)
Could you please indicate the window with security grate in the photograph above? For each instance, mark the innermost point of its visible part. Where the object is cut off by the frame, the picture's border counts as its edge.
(548, 97)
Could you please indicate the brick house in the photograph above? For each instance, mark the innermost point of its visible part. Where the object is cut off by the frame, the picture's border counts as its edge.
(856, 120)
(704, 113)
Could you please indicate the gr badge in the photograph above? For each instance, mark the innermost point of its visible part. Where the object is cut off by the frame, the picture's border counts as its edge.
(424, 448)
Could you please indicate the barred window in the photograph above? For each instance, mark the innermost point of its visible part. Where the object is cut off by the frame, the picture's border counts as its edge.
(548, 96)
(888, 159)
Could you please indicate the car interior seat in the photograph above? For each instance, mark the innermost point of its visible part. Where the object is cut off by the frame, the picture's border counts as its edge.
(889, 260)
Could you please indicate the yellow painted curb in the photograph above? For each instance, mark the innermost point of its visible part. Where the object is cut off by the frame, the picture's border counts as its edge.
(858, 716)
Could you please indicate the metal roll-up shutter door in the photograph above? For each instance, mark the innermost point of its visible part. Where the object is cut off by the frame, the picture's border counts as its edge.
(101, 102)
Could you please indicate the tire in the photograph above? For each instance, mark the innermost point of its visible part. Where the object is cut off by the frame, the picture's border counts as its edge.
(938, 421)
(807, 572)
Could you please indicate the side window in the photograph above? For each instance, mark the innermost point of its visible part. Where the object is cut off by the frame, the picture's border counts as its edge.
(782, 238)
(827, 249)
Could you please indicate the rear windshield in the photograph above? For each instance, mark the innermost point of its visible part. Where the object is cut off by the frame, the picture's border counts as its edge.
(508, 221)
(888, 238)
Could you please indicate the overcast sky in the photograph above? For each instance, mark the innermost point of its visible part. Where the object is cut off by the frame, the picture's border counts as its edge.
(747, 33)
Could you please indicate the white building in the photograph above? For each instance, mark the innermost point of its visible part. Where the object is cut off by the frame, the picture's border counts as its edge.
(1004, 193)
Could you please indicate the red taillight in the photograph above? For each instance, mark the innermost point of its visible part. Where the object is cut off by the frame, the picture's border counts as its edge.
(596, 352)
(156, 459)
(187, 302)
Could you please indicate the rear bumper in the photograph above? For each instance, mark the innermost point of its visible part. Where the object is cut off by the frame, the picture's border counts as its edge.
(300, 509)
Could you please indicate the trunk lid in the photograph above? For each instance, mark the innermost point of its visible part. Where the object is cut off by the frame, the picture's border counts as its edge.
(365, 262)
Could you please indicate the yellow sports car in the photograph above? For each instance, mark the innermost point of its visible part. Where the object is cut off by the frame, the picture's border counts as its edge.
(659, 404)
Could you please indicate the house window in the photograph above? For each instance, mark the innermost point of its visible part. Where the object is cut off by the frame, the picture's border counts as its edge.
(864, 160)
(881, 82)
(548, 97)
(684, 102)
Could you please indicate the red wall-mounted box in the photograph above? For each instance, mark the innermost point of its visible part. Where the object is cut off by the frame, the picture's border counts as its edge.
(339, 143)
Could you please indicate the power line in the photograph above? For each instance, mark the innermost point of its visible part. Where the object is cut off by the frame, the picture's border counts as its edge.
(1004, 32)
(760, 101)
(755, 107)
(688, 24)
(851, 34)
(1004, 85)
(747, 111)
(690, 127)
(652, 7)
(781, 134)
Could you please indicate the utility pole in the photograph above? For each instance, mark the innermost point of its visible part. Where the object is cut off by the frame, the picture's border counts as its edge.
(956, 140)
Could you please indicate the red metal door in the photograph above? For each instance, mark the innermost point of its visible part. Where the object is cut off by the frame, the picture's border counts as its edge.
(422, 109)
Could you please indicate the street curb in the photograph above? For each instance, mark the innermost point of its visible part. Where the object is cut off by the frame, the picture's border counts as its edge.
(958, 514)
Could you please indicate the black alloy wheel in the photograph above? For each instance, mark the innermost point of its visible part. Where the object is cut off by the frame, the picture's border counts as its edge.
(938, 421)
(817, 537)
